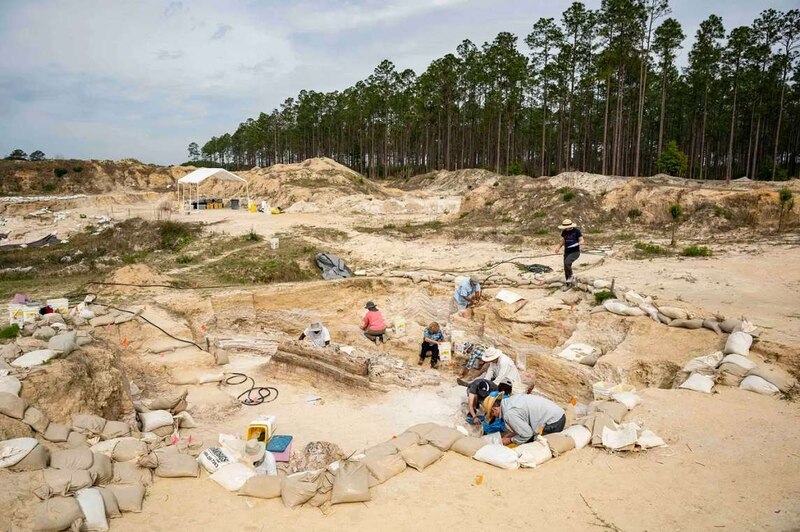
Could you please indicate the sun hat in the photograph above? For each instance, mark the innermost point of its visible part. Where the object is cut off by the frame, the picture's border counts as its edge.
(315, 327)
(370, 305)
(254, 451)
(491, 354)
(489, 402)
(567, 224)
(474, 279)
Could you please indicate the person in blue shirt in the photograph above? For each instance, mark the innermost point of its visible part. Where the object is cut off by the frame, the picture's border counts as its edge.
(431, 339)
(571, 241)
(467, 294)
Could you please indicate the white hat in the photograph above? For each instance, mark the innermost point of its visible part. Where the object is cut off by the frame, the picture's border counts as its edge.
(315, 327)
(254, 451)
(491, 354)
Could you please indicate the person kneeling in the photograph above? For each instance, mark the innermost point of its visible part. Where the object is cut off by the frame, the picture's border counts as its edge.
(526, 416)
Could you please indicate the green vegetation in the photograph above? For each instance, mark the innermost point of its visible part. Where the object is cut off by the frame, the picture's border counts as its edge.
(77, 168)
(49, 187)
(676, 212)
(723, 212)
(7, 333)
(292, 262)
(672, 160)
(696, 251)
(252, 236)
(646, 248)
(175, 235)
(634, 213)
(786, 199)
(568, 195)
(60, 172)
(602, 295)
(539, 214)
(184, 259)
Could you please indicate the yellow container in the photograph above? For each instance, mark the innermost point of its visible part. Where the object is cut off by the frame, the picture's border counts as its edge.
(252, 207)
(262, 428)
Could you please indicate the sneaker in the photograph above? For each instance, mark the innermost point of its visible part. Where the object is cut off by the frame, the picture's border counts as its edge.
(419, 363)
(566, 287)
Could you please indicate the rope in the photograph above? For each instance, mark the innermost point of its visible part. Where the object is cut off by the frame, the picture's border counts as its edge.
(174, 287)
(151, 323)
(264, 393)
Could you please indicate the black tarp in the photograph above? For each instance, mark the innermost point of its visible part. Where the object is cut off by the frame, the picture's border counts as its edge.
(42, 242)
(332, 266)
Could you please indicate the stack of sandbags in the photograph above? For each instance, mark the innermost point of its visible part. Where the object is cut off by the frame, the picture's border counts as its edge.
(705, 365)
(768, 380)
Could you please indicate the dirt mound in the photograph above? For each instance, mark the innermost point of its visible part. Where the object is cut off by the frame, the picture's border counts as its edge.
(89, 177)
(318, 181)
(451, 182)
(594, 183)
(136, 275)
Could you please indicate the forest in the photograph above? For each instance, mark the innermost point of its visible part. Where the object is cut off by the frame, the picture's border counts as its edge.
(598, 91)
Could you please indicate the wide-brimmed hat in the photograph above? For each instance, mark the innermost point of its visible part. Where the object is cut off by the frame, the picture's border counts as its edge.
(474, 279)
(315, 327)
(491, 354)
(254, 451)
(489, 402)
(370, 305)
(567, 224)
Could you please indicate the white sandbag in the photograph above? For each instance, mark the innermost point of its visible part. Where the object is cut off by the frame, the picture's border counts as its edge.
(629, 399)
(674, 313)
(64, 343)
(704, 363)
(155, 420)
(10, 384)
(126, 449)
(635, 299)
(624, 436)
(580, 434)
(601, 284)
(698, 383)
(615, 306)
(498, 456)
(495, 438)
(650, 310)
(44, 333)
(739, 360)
(232, 476)
(739, 343)
(576, 352)
(207, 378)
(214, 458)
(754, 383)
(648, 439)
(14, 450)
(534, 454)
(775, 375)
(34, 358)
(94, 510)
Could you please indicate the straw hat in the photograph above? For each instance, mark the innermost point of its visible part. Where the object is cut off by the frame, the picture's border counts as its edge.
(491, 354)
(474, 279)
(489, 402)
(567, 224)
(254, 451)
(315, 327)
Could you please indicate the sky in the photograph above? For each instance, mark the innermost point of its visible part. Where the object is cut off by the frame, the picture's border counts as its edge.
(99, 79)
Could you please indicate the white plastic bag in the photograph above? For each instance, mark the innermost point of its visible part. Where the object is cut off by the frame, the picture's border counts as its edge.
(534, 454)
(648, 439)
(739, 343)
(93, 508)
(155, 419)
(214, 458)
(754, 383)
(34, 358)
(495, 438)
(575, 352)
(629, 399)
(580, 434)
(739, 360)
(624, 436)
(232, 476)
(269, 466)
(698, 383)
(704, 363)
(498, 456)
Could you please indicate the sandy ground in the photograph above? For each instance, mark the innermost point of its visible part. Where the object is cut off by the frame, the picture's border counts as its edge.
(733, 460)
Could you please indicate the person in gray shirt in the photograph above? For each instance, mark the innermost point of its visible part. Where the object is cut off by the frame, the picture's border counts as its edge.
(525, 415)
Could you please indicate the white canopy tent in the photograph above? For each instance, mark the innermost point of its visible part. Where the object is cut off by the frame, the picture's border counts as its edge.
(197, 177)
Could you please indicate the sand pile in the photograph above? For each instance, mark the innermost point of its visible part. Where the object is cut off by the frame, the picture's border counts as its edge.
(135, 275)
(451, 182)
(594, 183)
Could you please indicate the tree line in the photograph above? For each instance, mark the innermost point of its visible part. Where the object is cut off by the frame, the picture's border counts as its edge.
(20, 155)
(596, 91)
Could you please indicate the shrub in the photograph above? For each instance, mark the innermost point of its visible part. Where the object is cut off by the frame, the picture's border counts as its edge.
(496, 184)
(174, 235)
(723, 212)
(538, 214)
(49, 187)
(184, 259)
(60, 172)
(696, 251)
(602, 295)
(77, 169)
(786, 199)
(12, 331)
(672, 160)
(634, 213)
(252, 236)
(515, 168)
(649, 249)
(569, 195)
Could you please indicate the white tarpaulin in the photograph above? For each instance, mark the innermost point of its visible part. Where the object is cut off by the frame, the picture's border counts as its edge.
(507, 296)
(197, 177)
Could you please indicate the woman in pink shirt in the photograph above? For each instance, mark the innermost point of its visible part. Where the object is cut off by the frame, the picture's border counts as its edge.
(374, 327)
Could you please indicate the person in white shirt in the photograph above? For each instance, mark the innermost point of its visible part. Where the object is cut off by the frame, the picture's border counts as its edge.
(317, 334)
(526, 416)
(502, 371)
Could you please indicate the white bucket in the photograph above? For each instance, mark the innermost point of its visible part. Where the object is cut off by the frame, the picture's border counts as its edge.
(273, 243)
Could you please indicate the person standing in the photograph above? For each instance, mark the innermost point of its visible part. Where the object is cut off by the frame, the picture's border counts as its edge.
(571, 241)
(431, 338)
(374, 326)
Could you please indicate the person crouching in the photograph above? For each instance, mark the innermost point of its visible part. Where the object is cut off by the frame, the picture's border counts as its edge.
(431, 338)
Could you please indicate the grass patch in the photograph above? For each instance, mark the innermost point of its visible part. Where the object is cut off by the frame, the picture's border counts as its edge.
(540, 231)
(723, 212)
(184, 259)
(696, 251)
(7, 333)
(60, 172)
(292, 262)
(602, 295)
(595, 231)
(407, 230)
(634, 213)
(539, 214)
(646, 248)
(252, 236)
(569, 195)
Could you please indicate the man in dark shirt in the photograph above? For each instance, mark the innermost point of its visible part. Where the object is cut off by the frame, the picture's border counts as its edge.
(571, 241)
(477, 391)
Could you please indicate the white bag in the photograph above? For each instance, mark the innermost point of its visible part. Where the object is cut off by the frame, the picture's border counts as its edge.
(498, 456)
(706, 362)
(739, 360)
(13, 451)
(739, 343)
(698, 383)
(10, 384)
(623, 436)
(535, 453)
(648, 440)
(575, 352)
(754, 383)
(214, 458)
(232, 476)
(155, 419)
(495, 438)
(615, 306)
(580, 434)
(34, 358)
(635, 298)
(629, 399)
(650, 310)
(93, 508)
